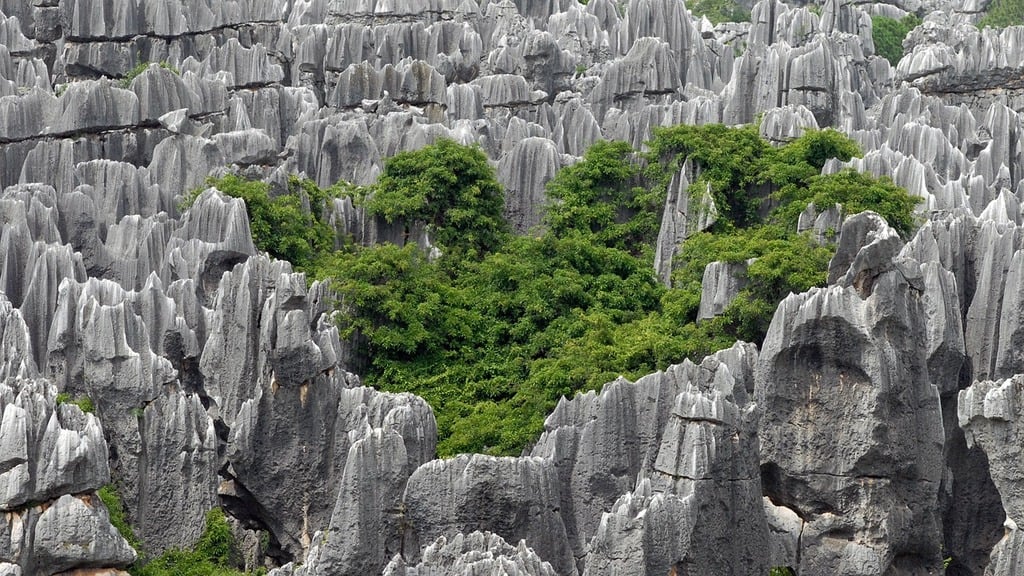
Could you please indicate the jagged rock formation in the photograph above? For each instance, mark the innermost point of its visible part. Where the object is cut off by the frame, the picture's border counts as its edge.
(53, 458)
(219, 379)
(849, 358)
(475, 553)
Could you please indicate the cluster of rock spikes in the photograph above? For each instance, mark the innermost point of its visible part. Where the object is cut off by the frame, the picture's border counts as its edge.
(874, 432)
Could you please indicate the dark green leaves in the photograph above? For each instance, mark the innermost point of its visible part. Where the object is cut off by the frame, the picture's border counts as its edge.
(889, 33)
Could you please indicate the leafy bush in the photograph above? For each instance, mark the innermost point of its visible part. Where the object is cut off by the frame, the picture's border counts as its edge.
(84, 403)
(889, 33)
(112, 500)
(730, 162)
(451, 188)
(856, 192)
(497, 328)
(288, 227)
(1003, 13)
(719, 11)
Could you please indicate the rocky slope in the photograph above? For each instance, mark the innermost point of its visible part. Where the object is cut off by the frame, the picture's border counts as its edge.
(874, 432)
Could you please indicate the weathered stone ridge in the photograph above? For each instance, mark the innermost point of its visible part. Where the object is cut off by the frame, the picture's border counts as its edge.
(850, 444)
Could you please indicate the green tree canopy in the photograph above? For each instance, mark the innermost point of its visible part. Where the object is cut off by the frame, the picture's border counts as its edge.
(448, 186)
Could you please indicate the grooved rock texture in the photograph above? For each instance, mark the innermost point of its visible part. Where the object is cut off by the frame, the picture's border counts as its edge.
(219, 378)
(52, 459)
(474, 553)
(989, 413)
(518, 498)
(852, 436)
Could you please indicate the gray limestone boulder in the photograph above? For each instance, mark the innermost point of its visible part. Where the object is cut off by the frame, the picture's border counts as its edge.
(52, 458)
(25, 116)
(75, 533)
(601, 443)
(85, 19)
(524, 173)
(159, 91)
(118, 189)
(989, 413)
(516, 498)
(177, 471)
(474, 553)
(16, 358)
(866, 248)
(287, 456)
(46, 449)
(721, 284)
(994, 251)
(649, 72)
(246, 67)
(851, 433)
(681, 217)
(95, 106)
(334, 149)
(701, 509)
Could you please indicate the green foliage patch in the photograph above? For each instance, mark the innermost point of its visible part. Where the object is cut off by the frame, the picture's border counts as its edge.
(1003, 13)
(494, 329)
(84, 403)
(112, 500)
(141, 67)
(889, 33)
(492, 333)
(290, 226)
(719, 11)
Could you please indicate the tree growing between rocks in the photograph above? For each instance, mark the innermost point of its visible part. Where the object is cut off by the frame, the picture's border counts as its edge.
(496, 328)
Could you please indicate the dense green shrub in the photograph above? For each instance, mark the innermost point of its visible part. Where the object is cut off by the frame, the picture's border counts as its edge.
(451, 188)
(888, 34)
(288, 227)
(1003, 13)
(494, 330)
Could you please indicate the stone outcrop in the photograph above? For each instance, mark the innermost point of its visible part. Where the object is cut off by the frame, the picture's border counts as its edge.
(474, 553)
(517, 498)
(852, 436)
(989, 413)
(670, 430)
(53, 457)
(220, 379)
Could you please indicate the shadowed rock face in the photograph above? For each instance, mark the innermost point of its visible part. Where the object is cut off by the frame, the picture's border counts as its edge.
(219, 378)
(989, 413)
(852, 437)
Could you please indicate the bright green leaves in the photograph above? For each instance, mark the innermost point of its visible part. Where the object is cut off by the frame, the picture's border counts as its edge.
(495, 329)
(719, 11)
(729, 160)
(1003, 13)
(393, 297)
(448, 186)
(856, 192)
(602, 197)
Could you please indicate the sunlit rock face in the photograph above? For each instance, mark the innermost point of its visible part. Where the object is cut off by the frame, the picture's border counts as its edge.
(872, 433)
